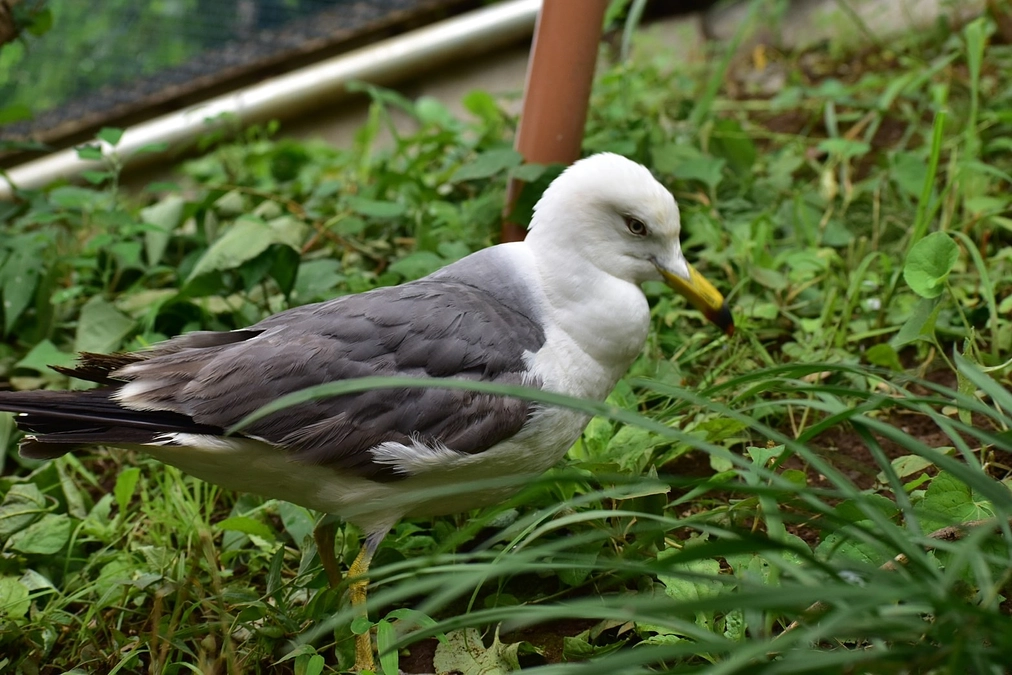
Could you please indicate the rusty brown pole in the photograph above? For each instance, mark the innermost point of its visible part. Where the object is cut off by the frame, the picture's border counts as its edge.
(557, 92)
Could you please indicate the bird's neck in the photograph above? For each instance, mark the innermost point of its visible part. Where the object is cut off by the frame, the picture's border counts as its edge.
(607, 318)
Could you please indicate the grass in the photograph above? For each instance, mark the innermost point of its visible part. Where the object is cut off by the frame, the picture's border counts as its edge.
(828, 491)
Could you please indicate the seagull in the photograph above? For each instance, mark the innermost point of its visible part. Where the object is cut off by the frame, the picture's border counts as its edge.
(562, 311)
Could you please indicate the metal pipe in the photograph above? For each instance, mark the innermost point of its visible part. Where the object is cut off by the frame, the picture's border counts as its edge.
(302, 90)
(557, 92)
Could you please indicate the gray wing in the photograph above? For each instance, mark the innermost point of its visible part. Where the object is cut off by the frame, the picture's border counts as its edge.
(429, 328)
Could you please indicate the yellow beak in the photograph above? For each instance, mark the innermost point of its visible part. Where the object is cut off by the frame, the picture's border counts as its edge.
(702, 295)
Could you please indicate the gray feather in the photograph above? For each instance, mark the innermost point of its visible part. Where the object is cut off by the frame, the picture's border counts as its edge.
(440, 326)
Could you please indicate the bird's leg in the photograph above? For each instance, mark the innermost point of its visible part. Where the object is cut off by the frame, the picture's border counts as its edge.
(325, 534)
(357, 592)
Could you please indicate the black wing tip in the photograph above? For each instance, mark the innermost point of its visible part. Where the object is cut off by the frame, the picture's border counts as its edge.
(32, 448)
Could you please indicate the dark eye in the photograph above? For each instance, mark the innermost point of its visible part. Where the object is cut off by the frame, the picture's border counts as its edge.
(635, 226)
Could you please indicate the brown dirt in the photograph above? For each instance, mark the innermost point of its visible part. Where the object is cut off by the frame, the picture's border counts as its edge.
(418, 657)
(548, 638)
(845, 450)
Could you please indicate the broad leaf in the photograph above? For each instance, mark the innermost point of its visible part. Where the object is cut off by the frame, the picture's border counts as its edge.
(14, 602)
(949, 500)
(247, 238)
(23, 504)
(687, 163)
(110, 135)
(246, 525)
(488, 164)
(920, 325)
(416, 265)
(44, 537)
(928, 264)
(19, 275)
(375, 208)
(126, 485)
(102, 327)
(163, 218)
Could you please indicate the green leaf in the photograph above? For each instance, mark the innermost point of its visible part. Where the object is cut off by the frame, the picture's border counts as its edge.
(298, 521)
(687, 163)
(836, 234)
(430, 110)
(303, 651)
(232, 203)
(23, 504)
(487, 164)
(246, 525)
(416, 265)
(78, 198)
(14, 602)
(316, 280)
(289, 230)
(110, 135)
(284, 267)
(483, 105)
(71, 492)
(579, 648)
(949, 500)
(905, 466)
(920, 325)
(44, 537)
(577, 568)
(43, 355)
(529, 173)
(97, 177)
(374, 208)
(89, 153)
(964, 385)
(247, 238)
(386, 637)
(162, 218)
(126, 485)
(761, 456)
(883, 355)
(101, 327)
(839, 546)
(349, 226)
(844, 147)
(735, 625)
(769, 278)
(19, 277)
(730, 141)
(42, 21)
(7, 427)
(691, 587)
(309, 664)
(15, 112)
(929, 263)
(909, 171)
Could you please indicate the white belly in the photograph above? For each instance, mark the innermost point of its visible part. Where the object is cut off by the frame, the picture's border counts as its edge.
(470, 481)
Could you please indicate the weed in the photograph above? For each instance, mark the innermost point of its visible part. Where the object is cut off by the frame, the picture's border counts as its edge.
(827, 492)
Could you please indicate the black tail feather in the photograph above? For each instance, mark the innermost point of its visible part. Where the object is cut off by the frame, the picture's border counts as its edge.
(98, 367)
(58, 422)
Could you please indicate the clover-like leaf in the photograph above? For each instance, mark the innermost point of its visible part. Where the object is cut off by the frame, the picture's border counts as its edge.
(929, 263)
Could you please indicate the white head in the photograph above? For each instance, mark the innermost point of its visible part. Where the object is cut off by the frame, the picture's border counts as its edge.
(609, 212)
(612, 213)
